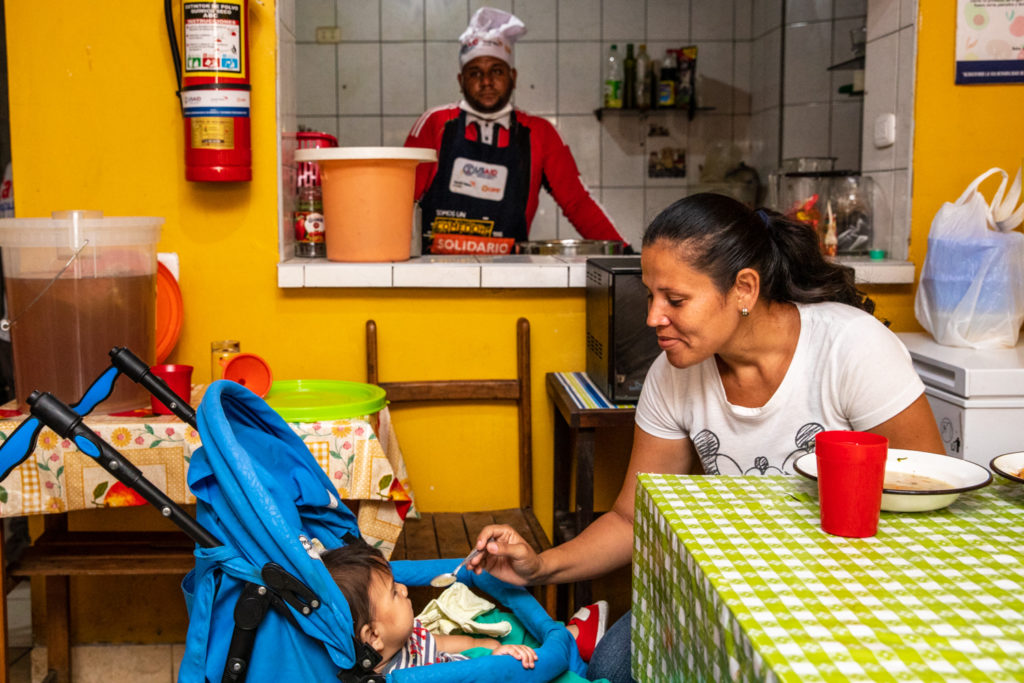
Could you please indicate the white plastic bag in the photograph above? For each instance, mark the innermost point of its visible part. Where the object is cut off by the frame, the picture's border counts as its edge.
(972, 284)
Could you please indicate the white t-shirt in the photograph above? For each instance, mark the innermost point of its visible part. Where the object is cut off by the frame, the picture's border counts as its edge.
(848, 372)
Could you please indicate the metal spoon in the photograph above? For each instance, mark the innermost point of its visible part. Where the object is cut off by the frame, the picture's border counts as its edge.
(445, 580)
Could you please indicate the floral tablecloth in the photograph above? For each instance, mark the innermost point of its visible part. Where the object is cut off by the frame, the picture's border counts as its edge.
(733, 579)
(360, 455)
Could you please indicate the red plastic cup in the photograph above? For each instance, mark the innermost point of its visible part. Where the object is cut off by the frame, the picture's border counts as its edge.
(178, 379)
(851, 469)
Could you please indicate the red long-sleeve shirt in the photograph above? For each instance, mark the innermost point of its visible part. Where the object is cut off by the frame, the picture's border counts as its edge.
(551, 165)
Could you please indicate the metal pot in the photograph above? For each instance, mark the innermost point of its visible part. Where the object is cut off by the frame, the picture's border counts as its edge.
(571, 247)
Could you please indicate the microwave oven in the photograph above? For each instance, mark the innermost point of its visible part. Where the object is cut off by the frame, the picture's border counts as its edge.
(620, 345)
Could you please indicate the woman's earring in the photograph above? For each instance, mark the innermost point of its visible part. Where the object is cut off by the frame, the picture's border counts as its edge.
(744, 311)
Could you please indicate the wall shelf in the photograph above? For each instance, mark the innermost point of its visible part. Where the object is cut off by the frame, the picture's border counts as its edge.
(600, 112)
(857, 63)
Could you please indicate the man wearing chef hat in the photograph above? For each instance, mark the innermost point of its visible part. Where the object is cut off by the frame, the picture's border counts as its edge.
(481, 195)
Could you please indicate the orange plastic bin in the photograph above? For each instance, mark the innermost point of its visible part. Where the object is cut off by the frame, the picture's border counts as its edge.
(368, 199)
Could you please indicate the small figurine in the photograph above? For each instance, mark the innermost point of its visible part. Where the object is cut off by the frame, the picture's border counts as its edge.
(830, 231)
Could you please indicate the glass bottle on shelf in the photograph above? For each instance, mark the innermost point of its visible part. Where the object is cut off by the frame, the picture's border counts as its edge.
(667, 80)
(613, 80)
(642, 88)
(629, 79)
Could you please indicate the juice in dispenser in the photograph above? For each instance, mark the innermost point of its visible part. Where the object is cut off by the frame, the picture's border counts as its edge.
(79, 284)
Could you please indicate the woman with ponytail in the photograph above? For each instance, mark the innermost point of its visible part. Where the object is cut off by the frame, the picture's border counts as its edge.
(766, 343)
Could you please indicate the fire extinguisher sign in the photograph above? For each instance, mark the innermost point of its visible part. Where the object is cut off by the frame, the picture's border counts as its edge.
(213, 37)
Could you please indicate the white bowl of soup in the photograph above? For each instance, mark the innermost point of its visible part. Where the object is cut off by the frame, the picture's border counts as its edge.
(1010, 466)
(916, 481)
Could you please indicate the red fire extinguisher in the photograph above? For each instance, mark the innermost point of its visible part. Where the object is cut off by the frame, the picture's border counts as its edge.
(215, 90)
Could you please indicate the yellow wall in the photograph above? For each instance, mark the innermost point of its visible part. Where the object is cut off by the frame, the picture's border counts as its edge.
(959, 132)
(95, 124)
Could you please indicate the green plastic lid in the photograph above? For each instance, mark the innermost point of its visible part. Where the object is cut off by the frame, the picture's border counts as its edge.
(313, 400)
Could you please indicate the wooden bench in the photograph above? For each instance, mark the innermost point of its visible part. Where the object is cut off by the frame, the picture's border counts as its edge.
(453, 533)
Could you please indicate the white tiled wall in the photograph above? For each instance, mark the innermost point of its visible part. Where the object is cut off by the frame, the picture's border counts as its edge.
(817, 120)
(762, 67)
(765, 84)
(397, 58)
(892, 40)
(287, 119)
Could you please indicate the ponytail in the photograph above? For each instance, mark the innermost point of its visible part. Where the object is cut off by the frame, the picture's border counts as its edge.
(723, 236)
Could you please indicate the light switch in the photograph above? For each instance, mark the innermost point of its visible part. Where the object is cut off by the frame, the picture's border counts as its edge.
(328, 34)
(885, 130)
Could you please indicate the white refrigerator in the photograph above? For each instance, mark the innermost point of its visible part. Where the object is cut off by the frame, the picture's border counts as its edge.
(977, 396)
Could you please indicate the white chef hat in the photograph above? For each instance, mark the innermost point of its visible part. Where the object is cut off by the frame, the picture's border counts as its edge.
(491, 33)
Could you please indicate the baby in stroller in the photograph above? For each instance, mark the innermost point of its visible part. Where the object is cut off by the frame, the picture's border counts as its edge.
(382, 616)
(262, 605)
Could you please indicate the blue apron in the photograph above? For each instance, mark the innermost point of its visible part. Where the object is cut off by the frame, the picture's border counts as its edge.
(477, 201)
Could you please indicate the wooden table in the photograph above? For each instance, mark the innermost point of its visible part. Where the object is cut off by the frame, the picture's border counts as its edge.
(580, 410)
(360, 455)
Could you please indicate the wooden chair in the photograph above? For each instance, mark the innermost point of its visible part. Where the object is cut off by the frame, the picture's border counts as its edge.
(453, 533)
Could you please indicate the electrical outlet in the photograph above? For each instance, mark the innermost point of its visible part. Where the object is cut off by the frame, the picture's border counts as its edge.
(328, 34)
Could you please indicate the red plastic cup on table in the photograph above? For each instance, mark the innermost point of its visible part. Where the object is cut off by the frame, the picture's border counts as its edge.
(178, 379)
(851, 469)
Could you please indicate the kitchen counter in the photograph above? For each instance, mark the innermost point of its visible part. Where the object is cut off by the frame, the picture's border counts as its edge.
(514, 271)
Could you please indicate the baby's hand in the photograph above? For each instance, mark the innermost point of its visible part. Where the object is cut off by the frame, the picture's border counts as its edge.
(524, 654)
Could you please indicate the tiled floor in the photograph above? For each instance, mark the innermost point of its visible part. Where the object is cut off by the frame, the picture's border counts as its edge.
(115, 664)
(91, 663)
(159, 663)
(19, 632)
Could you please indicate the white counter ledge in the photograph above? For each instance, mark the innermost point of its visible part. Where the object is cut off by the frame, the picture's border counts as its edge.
(512, 272)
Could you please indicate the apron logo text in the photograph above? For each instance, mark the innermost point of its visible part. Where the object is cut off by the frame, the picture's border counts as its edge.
(465, 226)
(478, 179)
(470, 244)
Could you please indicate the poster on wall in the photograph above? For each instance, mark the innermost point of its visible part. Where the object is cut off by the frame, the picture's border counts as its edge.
(989, 41)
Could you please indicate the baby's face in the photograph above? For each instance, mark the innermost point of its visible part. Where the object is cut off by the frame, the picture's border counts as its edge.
(392, 612)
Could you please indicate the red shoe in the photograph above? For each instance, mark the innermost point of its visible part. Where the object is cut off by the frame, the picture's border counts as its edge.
(591, 621)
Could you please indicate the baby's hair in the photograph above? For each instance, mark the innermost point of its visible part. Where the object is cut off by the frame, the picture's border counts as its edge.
(352, 567)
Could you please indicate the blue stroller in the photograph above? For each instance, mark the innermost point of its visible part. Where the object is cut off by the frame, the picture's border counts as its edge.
(262, 606)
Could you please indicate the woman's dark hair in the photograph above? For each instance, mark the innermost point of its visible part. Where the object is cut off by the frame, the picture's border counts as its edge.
(353, 567)
(722, 236)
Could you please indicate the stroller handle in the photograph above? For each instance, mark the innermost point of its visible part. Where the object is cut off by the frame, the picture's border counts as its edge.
(56, 415)
(136, 369)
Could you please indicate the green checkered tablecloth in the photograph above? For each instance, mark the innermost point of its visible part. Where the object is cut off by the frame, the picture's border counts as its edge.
(733, 579)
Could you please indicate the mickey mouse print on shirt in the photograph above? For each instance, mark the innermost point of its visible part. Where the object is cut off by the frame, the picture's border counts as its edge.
(707, 445)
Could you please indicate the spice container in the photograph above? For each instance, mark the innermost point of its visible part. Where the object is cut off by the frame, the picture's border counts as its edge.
(308, 219)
